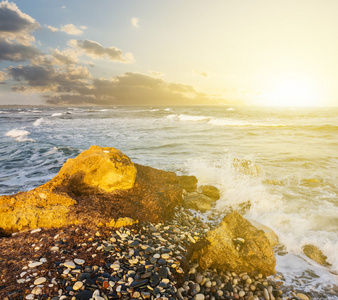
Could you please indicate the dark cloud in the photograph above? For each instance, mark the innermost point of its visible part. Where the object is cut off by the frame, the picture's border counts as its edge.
(45, 78)
(12, 20)
(95, 50)
(17, 52)
(134, 89)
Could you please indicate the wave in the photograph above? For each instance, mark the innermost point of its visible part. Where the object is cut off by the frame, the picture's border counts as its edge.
(57, 114)
(38, 122)
(230, 109)
(19, 135)
(188, 118)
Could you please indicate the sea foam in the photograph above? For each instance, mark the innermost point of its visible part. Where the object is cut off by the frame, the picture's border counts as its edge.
(19, 135)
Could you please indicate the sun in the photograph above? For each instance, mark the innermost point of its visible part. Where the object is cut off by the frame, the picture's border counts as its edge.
(291, 91)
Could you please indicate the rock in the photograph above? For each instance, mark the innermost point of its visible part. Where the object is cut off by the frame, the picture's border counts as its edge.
(77, 285)
(35, 264)
(270, 234)
(189, 183)
(315, 254)
(121, 222)
(197, 201)
(209, 191)
(40, 280)
(79, 261)
(69, 264)
(98, 170)
(302, 296)
(99, 185)
(224, 251)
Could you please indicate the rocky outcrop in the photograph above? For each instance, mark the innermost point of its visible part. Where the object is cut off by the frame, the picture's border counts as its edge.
(314, 253)
(201, 199)
(197, 201)
(189, 183)
(209, 191)
(98, 170)
(237, 245)
(99, 185)
(270, 234)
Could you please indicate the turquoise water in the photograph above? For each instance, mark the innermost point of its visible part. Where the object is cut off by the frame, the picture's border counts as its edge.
(289, 178)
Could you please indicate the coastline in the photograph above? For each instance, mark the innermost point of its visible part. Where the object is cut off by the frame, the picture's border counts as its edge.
(36, 264)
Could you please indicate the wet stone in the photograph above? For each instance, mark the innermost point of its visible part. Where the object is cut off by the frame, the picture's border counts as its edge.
(136, 284)
(85, 295)
(163, 272)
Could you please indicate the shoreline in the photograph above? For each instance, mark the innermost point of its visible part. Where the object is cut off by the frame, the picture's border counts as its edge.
(36, 265)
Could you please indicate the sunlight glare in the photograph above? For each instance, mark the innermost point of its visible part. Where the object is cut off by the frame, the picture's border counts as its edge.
(291, 91)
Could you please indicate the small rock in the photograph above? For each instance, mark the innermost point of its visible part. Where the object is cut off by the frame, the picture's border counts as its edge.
(79, 262)
(35, 264)
(302, 296)
(199, 297)
(69, 264)
(77, 285)
(40, 280)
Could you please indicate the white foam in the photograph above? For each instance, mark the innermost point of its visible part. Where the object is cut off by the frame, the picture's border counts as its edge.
(189, 118)
(56, 114)
(155, 109)
(38, 122)
(19, 135)
(230, 109)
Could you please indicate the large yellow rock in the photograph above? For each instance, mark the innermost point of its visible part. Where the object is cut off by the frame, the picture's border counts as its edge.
(41, 207)
(98, 170)
(270, 234)
(236, 245)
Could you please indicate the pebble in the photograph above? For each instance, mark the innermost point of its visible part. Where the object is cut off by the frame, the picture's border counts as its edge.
(77, 285)
(79, 262)
(69, 264)
(302, 296)
(199, 297)
(35, 264)
(40, 280)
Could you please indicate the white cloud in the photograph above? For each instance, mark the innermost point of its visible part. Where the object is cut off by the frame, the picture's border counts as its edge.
(72, 29)
(52, 29)
(134, 21)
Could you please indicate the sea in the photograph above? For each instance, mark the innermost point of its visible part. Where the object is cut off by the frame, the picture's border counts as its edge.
(277, 166)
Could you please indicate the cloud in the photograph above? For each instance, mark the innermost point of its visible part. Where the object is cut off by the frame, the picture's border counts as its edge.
(16, 52)
(2, 77)
(203, 74)
(95, 50)
(134, 22)
(156, 74)
(71, 29)
(47, 78)
(66, 57)
(52, 29)
(133, 89)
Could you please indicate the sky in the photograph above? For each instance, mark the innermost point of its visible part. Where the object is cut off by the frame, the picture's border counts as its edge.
(155, 52)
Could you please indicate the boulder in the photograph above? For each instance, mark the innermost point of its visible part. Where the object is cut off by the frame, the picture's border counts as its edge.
(315, 254)
(98, 170)
(99, 185)
(209, 191)
(189, 183)
(197, 201)
(270, 234)
(236, 245)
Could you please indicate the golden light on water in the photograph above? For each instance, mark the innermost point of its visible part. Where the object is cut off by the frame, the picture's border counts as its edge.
(291, 90)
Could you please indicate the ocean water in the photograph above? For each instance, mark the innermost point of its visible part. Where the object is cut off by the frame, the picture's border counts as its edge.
(276, 165)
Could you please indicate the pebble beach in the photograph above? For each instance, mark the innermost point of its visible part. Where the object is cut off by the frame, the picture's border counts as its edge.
(142, 261)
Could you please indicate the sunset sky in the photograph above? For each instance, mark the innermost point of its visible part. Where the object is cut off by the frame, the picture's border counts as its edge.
(175, 52)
